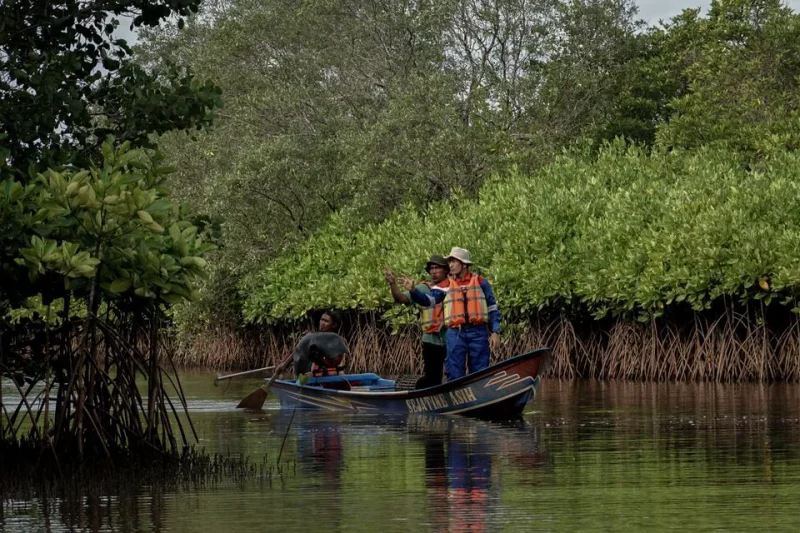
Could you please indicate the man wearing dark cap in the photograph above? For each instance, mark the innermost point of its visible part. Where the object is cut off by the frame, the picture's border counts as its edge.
(431, 320)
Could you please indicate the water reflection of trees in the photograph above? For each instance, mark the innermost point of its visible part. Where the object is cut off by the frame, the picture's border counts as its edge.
(580, 442)
(135, 497)
(88, 505)
(747, 425)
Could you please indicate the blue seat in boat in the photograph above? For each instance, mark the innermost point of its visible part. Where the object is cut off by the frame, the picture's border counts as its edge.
(368, 381)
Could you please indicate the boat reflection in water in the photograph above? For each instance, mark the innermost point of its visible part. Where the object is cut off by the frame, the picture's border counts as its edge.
(461, 489)
(320, 451)
(458, 478)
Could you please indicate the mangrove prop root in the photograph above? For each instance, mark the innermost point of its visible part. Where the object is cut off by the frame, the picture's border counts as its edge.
(739, 344)
(95, 368)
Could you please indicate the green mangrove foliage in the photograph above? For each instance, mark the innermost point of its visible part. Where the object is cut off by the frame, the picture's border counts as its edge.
(735, 75)
(88, 234)
(625, 234)
(107, 252)
(109, 229)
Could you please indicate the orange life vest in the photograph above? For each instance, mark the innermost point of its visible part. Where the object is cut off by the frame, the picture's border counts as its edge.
(431, 319)
(465, 304)
(320, 371)
(328, 367)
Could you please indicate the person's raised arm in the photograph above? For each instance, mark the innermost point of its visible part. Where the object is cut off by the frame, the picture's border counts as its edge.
(397, 294)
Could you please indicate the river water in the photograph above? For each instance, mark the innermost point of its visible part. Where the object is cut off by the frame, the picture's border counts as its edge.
(586, 456)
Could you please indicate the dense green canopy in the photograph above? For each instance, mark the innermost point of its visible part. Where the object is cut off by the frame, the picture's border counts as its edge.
(628, 234)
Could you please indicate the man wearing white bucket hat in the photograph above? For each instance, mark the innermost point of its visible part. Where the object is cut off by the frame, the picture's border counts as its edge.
(471, 315)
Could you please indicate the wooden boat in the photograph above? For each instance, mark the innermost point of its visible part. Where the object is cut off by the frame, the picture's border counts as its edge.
(498, 392)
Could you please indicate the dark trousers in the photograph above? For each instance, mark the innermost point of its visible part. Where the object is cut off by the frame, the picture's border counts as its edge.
(433, 357)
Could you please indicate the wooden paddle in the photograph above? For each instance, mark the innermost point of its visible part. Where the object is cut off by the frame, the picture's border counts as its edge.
(241, 374)
(256, 399)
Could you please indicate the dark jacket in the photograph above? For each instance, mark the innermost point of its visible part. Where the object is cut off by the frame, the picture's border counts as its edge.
(316, 348)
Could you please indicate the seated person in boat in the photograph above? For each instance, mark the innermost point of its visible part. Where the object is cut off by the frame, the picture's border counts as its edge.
(471, 315)
(430, 318)
(321, 353)
(317, 353)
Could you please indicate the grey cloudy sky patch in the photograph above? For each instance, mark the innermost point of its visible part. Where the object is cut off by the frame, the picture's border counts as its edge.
(654, 10)
(124, 30)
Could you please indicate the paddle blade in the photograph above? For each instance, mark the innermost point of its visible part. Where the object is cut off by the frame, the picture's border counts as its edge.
(254, 400)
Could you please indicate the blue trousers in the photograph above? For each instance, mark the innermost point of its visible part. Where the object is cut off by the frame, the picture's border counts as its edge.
(468, 344)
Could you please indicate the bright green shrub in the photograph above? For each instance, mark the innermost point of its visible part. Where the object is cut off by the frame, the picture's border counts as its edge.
(109, 232)
(626, 233)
